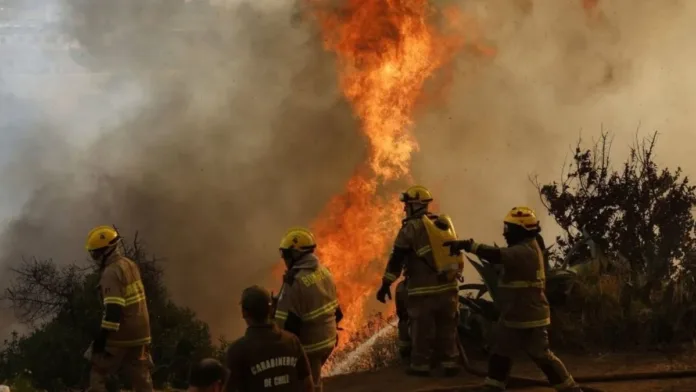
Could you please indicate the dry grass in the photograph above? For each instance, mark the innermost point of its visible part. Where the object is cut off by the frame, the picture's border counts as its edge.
(605, 312)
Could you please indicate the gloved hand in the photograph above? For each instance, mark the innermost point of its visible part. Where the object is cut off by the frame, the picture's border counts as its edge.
(455, 247)
(384, 292)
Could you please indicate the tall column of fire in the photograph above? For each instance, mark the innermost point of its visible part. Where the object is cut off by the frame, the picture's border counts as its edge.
(385, 50)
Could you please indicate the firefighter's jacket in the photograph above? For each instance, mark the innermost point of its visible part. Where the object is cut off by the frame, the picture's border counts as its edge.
(308, 301)
(121, 285)
(521, 297)
(412, 254)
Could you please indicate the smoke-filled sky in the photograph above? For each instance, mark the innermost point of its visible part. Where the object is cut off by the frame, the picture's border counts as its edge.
(212, 126)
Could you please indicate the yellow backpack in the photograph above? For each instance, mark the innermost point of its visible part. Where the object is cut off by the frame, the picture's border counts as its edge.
(444, 262)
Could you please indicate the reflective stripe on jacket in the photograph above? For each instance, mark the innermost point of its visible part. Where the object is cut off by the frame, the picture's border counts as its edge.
(121, 285)
(521, 295)
(312, 298)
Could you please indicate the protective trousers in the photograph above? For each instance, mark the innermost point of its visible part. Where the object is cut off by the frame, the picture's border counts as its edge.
(401, 295)
(535, 343)
(135, 362)
(317, 360)
(433, 321)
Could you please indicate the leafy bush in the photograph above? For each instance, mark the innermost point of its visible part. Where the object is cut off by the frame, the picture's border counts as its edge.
(640, 221)
(62, 305)
(640, 214)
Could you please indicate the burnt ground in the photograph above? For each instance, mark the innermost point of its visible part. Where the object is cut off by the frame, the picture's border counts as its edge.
(393, 378)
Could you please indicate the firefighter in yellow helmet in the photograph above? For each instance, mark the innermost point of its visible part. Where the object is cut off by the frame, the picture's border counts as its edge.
(307, 304)
(524, 309)
(122, 343)
(432, 288)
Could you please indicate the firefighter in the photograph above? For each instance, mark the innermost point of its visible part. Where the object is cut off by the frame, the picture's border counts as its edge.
(266, 357)
(307, 304)
(432, 290)
(124, 338)
(524, 309)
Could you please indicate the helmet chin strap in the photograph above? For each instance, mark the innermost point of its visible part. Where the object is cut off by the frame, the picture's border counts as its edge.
(291, 256)
(104, 256)
(414, 208)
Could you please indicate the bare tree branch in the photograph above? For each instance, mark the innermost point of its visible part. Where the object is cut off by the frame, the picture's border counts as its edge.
(629, 211)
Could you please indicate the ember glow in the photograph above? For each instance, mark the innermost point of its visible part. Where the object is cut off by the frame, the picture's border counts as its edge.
(385, 50)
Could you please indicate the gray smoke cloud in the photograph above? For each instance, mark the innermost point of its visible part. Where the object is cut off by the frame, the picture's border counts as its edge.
(229, 130)
(210, 127)
(560, 73)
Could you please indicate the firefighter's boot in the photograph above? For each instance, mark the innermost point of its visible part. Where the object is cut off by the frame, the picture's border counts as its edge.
(499, 368)
(555, 370)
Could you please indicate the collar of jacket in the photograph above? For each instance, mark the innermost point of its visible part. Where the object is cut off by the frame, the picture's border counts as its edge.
(523, 241)
(261, 328)
(114, 256)
(307, 261)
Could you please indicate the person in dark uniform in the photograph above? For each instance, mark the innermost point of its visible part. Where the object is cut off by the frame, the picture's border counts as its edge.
(266, 358)
(208, 375)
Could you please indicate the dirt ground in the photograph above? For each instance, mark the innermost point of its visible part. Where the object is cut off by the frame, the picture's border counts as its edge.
(393, 379)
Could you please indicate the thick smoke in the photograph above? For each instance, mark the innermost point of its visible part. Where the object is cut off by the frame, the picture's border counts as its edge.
(560, 73)
(237, 134)
(210, 127)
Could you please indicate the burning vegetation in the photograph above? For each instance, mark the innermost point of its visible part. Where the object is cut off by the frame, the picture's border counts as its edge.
(385, 51)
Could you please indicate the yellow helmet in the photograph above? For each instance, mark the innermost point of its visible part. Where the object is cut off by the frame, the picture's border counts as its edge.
(101, 237)
(523, 217)
(417, 194)
(298, 238)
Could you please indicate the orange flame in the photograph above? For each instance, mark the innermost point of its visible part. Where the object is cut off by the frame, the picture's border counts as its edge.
(354, 233)
(386, 50)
